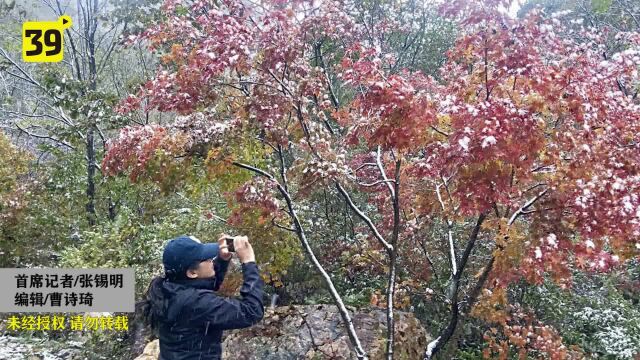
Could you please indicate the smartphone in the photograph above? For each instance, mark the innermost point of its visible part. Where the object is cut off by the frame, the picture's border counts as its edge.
(229, 241)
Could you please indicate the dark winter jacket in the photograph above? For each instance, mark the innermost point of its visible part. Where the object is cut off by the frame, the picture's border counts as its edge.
(191, 327)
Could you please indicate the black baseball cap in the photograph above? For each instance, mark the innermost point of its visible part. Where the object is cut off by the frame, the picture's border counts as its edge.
(183, 251)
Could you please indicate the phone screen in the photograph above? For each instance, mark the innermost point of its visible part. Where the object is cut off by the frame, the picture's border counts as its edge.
(230, 244)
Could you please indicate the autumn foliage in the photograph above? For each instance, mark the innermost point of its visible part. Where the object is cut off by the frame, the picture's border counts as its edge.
(530, 130)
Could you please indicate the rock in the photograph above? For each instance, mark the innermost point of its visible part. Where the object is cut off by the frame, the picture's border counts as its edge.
(25, 348)
(13, 347)
(316, 332)
(313, 332)
(151, 351)
(68, 354)
(65, 353)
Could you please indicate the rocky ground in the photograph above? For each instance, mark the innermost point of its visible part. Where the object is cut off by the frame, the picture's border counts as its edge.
(315, 332)
(24, 348)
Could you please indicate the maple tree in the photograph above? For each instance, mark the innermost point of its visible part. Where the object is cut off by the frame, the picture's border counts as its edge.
(526, 147)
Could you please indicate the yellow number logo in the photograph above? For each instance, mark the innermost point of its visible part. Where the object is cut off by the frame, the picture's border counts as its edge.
(43, 41)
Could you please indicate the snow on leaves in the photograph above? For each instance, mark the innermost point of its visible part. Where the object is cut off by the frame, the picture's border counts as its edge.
(526, 124)
(255, 194)
(519, 107)
(394, 111)
(133, 149)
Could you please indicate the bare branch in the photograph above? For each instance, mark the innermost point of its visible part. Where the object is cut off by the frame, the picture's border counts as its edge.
(273, 221)
(525, 206)
(364, 165)
(376, 183)
(452, 250)
(439, 131)
(333, 97)
(254, 169)
(283, 172)
(28, 77)
(45, 137)
(535, 186)
(382, 172)
(284, 87)
(364, 217)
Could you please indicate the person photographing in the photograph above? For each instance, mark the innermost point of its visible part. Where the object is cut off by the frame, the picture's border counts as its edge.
(182, 306)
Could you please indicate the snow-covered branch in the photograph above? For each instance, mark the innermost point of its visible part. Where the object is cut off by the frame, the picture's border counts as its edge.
(526, 206)
(382, 172)
(364, 217)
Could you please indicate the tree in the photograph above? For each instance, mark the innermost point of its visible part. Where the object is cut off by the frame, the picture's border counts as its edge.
(527, 145)
(13, 171)
(69, 105)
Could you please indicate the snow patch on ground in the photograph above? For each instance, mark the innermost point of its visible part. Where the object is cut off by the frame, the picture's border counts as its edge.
(16, 348)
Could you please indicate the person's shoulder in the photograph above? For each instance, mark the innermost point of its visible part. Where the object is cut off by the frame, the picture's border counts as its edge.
(206, 298)
(180, 295)
(176, 288)
(205, 292)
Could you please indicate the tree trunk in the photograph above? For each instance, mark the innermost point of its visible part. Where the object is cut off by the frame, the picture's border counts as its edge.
(91, 171)
(90, 31)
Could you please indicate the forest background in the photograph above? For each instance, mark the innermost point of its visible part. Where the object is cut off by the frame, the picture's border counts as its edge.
(473, 166)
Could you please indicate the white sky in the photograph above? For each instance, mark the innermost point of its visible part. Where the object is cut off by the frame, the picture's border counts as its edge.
(515, 6)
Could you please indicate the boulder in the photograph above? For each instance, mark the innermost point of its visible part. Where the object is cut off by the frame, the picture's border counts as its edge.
(151, 351)
(313, 332)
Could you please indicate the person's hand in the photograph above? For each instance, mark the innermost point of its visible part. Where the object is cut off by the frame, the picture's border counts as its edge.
(224, 252)
(243, 249)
